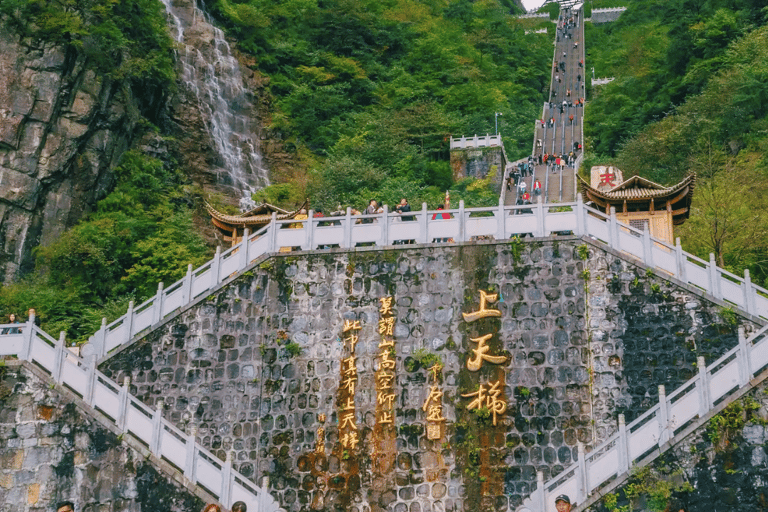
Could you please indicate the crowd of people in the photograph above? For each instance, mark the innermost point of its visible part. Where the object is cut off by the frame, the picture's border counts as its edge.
(238, 506)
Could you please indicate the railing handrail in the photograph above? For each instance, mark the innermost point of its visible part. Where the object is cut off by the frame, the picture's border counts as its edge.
(609, 9)
(116, 403)
(382, 229)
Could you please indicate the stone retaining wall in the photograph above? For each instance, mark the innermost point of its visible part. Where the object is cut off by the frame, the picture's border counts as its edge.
(582, 335)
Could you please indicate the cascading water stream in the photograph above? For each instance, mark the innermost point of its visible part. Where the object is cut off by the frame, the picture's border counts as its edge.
(211, 74)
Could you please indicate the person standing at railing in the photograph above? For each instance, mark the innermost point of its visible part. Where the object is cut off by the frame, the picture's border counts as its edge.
(443, 216)
(404, 207)
(371, 210)
(12, 330)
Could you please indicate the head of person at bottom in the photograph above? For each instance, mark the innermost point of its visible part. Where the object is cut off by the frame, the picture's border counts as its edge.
(563, 503)
(65, 506)
(239, 506)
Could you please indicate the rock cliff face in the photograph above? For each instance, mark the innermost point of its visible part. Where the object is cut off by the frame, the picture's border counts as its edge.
(62, 128)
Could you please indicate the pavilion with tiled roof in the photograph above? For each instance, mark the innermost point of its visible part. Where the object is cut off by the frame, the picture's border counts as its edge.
(641, 203)
(232, 227)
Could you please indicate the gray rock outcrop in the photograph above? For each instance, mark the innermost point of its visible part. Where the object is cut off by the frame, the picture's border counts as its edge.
(62, 129)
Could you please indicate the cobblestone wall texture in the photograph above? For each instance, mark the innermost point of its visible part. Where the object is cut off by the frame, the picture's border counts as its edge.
(50, 452)
(584, 334)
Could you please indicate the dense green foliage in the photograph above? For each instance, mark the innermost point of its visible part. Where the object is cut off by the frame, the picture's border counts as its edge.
(689, 96)
(140, 234)
(376, 88)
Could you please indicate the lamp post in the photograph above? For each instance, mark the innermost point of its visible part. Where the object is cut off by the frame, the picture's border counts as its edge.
(496, 119)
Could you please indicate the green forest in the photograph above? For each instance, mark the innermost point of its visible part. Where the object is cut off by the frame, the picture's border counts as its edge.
(369, 92)
(365, 95)
(690, 95)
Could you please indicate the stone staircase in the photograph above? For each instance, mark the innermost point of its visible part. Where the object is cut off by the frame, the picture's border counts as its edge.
(670, 421)
(175, 452)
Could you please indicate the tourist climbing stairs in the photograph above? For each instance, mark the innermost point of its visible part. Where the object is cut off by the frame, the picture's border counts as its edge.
(562, 130)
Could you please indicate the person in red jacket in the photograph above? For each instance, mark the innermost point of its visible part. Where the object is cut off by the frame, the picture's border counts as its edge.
(537, 188)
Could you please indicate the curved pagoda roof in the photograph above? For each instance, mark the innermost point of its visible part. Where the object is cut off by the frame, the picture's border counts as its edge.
(253, 219)
(640, 194)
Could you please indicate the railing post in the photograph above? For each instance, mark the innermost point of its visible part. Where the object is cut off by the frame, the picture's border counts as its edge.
(244, 249)
(272, 234)
(99, 339)
(749, 293)
(462, 223)
(663, 417)
(58, 358)
(583, 478)
(157, 428)
(705, 402)
(122, 413)
(191, 460)
(580, 215)
(540, 229)
(216, 268)
(647, 249)
(424, 225)
(625, 459)
(613, 233)
(309, 231)
(348, 229)
(384, 240)
(682, 261)
(745, 367)
(29, 336)
(264, 493)
(128, 324)
(186, 292)
(226, 481)
(714, 278)
(157, 306)
(501, 225)
(90, 381)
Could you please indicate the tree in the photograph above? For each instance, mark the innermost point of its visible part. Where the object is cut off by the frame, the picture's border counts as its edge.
(729, 218)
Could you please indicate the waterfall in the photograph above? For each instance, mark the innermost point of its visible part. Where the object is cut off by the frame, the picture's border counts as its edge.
(211, 74)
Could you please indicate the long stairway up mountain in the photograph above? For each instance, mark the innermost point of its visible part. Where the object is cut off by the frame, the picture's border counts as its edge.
(562, 115)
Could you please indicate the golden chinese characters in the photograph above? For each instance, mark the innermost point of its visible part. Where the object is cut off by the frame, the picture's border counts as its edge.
(433, 405)
(385, 376)
(348, 433)
(483, 311)
(489, 395)
(476, 362)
